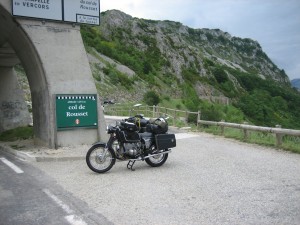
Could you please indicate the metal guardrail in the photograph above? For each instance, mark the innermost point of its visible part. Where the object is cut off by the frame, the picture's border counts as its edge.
(278, 131)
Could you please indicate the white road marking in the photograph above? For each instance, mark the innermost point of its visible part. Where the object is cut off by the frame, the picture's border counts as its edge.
(184, 135)
(59, 202)
(75, 220)
(11, 165)
(71, 218)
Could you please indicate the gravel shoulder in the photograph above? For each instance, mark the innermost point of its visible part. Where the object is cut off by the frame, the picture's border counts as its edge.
(206, 180)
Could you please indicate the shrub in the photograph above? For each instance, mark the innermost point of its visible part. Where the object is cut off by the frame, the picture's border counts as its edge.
(151, 98)
(192, 118)
(211, 113)
(220, 75)
(178, 106)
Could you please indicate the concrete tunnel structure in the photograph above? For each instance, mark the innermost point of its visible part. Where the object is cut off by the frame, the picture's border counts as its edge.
(55, 61)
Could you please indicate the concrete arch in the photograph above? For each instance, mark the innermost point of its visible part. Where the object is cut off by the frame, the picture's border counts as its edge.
(55, 62)
(13, 34)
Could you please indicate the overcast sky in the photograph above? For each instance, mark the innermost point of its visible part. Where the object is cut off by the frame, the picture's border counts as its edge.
(275, 24)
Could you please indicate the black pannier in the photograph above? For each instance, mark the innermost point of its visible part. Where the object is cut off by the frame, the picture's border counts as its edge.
(164, 141)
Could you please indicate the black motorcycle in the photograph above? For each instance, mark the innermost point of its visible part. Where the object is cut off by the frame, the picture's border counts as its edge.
(128, 142)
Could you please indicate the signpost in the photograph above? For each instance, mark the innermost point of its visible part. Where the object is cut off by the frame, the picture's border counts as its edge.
(76, 111)
(75, 11)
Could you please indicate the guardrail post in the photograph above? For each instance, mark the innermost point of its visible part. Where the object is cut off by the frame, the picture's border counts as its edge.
(222, 128)
(174, 120)
(186, 117)
(278, 137)
(246, 133)
(153, 111)
(198, 118)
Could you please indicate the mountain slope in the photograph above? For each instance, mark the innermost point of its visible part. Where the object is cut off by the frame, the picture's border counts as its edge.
(296, 83)
(169, 49)
(182, 46)
(132, 56)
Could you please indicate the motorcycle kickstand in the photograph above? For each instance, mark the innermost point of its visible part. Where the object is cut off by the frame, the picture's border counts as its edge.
(130, 165)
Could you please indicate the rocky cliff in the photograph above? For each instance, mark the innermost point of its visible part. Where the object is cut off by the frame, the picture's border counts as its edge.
(166, 54)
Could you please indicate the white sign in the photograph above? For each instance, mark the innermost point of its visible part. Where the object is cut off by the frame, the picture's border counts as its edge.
(77, 11)
(44, 9)
(82, 11)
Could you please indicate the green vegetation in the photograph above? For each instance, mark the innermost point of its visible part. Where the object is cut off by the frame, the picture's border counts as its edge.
(116, 77)
(151, 98)
(143, 63)
(20, 133)
(218, 112)
(172, 103)
(266, 103)
(263, 102)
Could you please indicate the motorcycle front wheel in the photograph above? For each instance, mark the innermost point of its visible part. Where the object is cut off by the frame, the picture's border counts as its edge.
(100, 159)
(157, 160)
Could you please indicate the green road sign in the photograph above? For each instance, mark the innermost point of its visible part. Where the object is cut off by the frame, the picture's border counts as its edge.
(76, 111)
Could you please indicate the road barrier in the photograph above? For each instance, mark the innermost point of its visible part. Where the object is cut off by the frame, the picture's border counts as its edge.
(278, 131)
(150, 111)
(175, 115)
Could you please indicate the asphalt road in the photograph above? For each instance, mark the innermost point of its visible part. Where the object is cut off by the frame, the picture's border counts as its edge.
(206, 180)
(29, 197)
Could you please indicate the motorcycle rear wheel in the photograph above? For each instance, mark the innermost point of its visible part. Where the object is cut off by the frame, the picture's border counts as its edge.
(97, 161)
(158, 160)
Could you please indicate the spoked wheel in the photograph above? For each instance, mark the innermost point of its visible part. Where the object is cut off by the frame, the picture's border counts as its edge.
(100, 159)
(157, 160)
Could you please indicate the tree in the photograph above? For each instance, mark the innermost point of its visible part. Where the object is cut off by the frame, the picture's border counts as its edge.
(151, 98)
(220, 75)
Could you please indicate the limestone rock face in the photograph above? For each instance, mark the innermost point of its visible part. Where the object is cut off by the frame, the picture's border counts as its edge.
(177, 52)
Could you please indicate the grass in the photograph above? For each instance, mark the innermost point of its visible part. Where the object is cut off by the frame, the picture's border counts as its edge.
(172, 104)
(291, 143)
(17, 134)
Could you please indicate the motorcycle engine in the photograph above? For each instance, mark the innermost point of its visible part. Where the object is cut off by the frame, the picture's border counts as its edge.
(132, 149)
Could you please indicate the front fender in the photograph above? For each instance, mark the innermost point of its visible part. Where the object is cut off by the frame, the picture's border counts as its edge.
(104, 145)
(100, 143)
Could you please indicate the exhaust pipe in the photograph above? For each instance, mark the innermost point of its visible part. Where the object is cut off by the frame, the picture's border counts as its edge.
(148, 156)
(132, 161)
